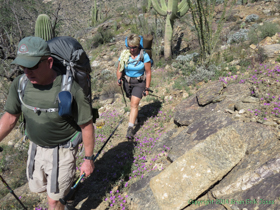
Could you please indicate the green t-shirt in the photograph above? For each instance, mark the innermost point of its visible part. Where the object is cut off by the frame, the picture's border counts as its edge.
(48, 128)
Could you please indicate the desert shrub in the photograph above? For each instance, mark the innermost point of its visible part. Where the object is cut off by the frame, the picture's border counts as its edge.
(239, 36)
(220, 1)
(245, 63)
(261, 56)
(102, 37)
(268, 29)
(184, 68)
(120, 9)
(251, 18)
(202, 73)
(253, 36)
(187, 58)
(110, 89)
(106, 74)
(180, 84)
(259, 32)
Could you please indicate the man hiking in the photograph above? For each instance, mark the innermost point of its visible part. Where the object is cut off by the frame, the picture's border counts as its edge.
(51, 162)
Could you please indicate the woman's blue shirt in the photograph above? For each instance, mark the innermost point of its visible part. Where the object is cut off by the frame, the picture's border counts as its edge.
(136, 71)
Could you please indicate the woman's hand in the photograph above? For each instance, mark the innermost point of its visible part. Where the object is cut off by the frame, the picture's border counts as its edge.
(119, 82)
(147, 93)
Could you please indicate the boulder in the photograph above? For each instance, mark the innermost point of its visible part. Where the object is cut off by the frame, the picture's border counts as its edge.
(198, 169)
(189, 110)
(271, 50)
(141, 195)
(210, 93)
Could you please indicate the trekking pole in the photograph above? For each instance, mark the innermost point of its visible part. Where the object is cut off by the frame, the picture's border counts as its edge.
(11, 191)
(120, 82)
(73, 189)
(148, 89)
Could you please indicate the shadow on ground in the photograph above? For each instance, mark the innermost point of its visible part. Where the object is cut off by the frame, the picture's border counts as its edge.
(114, 165)
(146, 112)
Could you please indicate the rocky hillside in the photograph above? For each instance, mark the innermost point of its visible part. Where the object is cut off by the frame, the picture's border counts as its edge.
(206, 139)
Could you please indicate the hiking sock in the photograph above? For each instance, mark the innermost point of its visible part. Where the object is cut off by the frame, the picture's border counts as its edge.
(130, 124)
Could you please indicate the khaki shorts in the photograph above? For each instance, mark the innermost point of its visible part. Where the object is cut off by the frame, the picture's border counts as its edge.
(43, 169)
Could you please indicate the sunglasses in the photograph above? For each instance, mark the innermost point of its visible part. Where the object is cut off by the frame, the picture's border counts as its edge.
(132, 47)
(34, 67)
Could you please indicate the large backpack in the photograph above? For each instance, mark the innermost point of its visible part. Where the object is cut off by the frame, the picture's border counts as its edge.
(72, 62)
(146, 42)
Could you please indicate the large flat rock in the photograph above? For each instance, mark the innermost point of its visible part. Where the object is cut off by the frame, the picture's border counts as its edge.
(198, 169)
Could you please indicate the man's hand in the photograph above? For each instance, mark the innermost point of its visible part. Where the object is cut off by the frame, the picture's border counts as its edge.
(87, 167)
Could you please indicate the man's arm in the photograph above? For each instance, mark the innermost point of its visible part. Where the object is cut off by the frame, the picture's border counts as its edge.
(7, 123)
(89, 142)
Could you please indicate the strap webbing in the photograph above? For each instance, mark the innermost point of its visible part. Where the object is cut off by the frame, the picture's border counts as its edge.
(54, 176)
(31, 160)
(21, 88)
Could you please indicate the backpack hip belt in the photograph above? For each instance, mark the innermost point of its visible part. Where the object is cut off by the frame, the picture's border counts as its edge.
(140, 78)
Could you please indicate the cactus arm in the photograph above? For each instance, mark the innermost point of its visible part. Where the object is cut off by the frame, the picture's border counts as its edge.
(181, 4)
(158, 9)
(43, 27)
(149, 5)
(163, 5)
(183, 8)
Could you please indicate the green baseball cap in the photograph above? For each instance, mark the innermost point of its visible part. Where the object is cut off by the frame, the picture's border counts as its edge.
(30, 51)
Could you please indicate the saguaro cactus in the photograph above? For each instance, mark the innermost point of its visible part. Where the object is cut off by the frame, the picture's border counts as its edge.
(94, 15)
(43, 27)
(173, 10)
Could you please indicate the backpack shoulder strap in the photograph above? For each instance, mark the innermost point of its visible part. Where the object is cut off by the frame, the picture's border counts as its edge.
(67, 79)
(21, 88)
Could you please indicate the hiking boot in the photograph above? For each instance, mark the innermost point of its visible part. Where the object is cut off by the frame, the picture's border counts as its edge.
(129, 133)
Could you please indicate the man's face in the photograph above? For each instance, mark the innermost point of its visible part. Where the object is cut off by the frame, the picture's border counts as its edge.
(39, 73)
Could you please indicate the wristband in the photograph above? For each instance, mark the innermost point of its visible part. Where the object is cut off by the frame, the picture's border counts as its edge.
(89, 157)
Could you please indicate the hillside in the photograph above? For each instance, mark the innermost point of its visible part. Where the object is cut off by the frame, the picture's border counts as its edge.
(207, 132)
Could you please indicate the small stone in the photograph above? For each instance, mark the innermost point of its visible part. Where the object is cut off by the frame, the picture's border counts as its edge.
(254, 120)
(11, 143)
(274, 124)
(241, 111)
(278, 135)
(250, 99)
(100, 122)
(229, 111)
(252, 46)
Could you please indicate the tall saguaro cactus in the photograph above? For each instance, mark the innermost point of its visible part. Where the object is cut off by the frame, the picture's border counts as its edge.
(94, 15)
(43, 27)
(173, 10)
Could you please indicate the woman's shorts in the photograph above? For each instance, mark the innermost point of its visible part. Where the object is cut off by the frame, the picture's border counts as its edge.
(135, 88)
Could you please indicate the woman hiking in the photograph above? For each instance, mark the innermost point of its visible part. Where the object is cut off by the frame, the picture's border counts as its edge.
(134, 69)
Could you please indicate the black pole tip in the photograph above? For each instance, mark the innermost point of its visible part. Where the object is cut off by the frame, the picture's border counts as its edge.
(1, 149)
